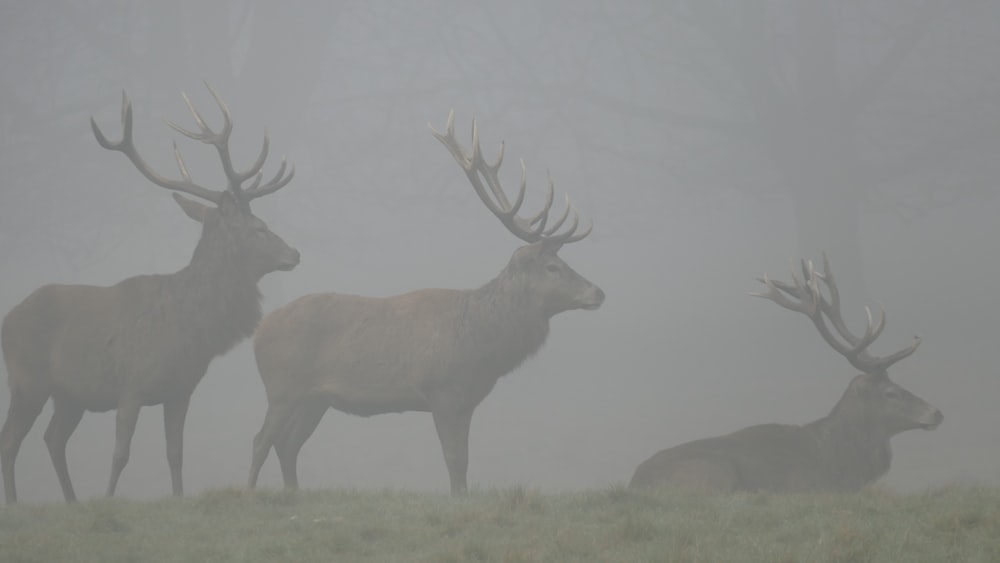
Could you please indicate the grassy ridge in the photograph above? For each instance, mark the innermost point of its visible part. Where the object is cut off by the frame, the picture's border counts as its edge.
(515, 525)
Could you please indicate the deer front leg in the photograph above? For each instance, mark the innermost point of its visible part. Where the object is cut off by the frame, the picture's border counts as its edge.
(128, 415)
(453, 430)
(174, 413)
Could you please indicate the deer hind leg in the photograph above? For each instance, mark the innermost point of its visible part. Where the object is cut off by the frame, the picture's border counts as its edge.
(125, 420)
(297, 430)
(453, 432)
(24, 408)
(65, 418)
(275, 421)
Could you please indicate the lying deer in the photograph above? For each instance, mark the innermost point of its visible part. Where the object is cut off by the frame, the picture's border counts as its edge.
(147, 340)
(843, 451)
(431, 350)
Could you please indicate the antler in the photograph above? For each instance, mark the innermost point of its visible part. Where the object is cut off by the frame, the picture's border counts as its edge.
(221, 142)
(806, 297)
(528, 229)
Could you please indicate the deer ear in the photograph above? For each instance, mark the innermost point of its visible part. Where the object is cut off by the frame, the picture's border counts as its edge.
(192, 208)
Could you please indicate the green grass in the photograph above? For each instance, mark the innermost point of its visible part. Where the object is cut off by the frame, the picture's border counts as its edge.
(515, 525)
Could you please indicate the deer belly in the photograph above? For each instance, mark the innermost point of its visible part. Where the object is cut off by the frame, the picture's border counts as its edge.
(374, 395)
(90, 398)
(91, 385)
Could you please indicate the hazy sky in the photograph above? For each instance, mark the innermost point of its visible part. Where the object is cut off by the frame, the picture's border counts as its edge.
(710, 142)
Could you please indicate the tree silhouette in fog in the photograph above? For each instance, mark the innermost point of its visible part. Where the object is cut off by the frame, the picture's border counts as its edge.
(832, 109)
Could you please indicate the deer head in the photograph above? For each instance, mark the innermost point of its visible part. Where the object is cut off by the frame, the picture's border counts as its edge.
(555, 285)
(871, 396)
(229, 225)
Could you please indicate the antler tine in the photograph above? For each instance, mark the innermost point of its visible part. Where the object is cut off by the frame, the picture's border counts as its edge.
(830, 284)
(207, 135)
(274, 184)
(810, 302)
(448, 140)
(780, 293)
(562, 218)
(221, 142)
(529, 229)
(258, 164)
(490, 171)
(467, 162)
(568, 236)
(833, 313)
(832, 308)
(494, 182)
(803, 291)
(808, 271)
(887, 361)
(542, 217)
(476, 168)
(872, 333)
(126, 127)
(126, 146)
(852, 347)
(180, 163)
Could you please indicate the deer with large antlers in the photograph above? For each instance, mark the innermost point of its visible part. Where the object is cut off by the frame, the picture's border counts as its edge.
(431, 350)
(843, 451)
(147, 340)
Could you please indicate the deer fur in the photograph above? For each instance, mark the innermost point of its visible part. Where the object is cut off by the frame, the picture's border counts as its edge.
(843, 451)
(432, 350)
(147, 340)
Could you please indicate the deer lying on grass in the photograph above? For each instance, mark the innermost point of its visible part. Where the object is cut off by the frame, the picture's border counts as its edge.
(843, 451)
(148, 339)
(431, 350)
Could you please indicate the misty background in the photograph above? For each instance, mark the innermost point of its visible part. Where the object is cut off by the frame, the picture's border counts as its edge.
(710, 142)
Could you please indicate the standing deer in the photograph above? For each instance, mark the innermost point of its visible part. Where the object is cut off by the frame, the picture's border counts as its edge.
(148, 339)
(431, 350)
(843, 451)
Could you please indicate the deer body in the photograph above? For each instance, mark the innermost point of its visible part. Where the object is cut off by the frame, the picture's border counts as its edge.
(417, 344)
(839, 452)
(432, 350)
(843, 451)
(147, 340)
(149, 336)
(767, 457)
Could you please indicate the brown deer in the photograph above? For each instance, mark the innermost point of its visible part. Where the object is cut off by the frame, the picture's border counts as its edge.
(843, 451)
(431, 350)
(147, 340)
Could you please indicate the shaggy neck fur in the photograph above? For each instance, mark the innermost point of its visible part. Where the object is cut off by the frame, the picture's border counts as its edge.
(503, 322)
(217, 297)
(855, 447)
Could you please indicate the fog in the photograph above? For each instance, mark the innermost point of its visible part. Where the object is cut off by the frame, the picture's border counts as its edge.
(710, 142)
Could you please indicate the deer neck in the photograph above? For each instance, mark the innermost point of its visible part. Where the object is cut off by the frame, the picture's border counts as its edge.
(218, 298)
(855, 447)
(503, 323)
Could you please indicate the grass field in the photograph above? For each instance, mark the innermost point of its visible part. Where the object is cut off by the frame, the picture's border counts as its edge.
(513, 525)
